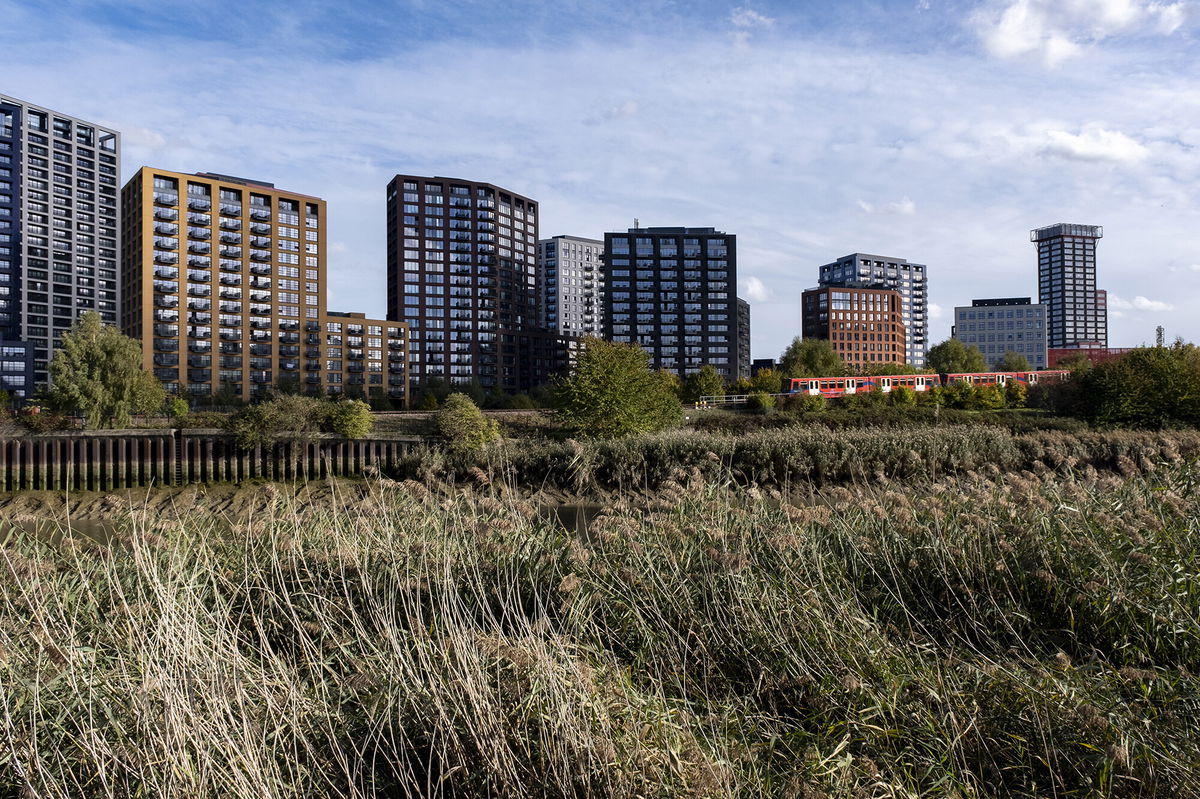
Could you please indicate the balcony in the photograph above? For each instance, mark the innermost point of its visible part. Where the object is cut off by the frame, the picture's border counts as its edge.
(231, 280)
(260, 256)
(231, 209)
(231, 238)
(230, 266)
(258, 241)
(260, 214)
(260, 324)
(256, 269)
(230, 335)
(199, 204)
(200, 247)
(166, 258)
(195, 262)
(164, 229)
(258, 296)
(199, 233)
(286, 325)
(232, 252)
(199, 346)
(231, 349)
(164, 243)
(229, 294)
(166, 345)
(166, 331)
(199, 291)
(199, 318)
(231, 224)
(166, 273)
(198, 277)
(166, 198)
(312, 379)
(166, 359)
(289, 365)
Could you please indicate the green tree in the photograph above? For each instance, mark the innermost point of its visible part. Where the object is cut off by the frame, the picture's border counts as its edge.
(462, 427)
(1016, 394)
(705, 383)
(891, 368)
(1013, 362)
(810, 357)
(953, 356)
(613, 392)
(1148, 386)
(98, 372)
(349, 418)
(768, 381)
(1075, 363)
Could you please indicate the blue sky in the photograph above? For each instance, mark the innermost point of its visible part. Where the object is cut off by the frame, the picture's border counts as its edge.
(936, 131)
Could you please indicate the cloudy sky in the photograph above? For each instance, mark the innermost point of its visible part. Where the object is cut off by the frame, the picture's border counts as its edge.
(940, 131)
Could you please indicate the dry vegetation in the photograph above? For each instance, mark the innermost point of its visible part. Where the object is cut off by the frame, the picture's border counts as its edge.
(1026, 634)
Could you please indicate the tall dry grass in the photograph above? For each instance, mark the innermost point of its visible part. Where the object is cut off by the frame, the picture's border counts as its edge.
(992, 635)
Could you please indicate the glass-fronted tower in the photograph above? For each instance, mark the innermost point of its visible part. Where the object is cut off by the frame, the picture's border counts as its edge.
(1076, 312)
(59, 233)
(672, 290)
(571, 285)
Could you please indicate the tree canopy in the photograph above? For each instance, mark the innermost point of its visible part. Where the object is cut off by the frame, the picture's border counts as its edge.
(954, 356)
(810, 357)
(613, 392)
(705, 383)
(98, 372)
(1148, 386)
(1013, 362)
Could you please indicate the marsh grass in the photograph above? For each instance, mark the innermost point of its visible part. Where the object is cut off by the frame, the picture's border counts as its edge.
(1024, 634)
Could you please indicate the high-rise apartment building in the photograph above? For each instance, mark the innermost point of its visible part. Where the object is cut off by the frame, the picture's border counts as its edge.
(672, 290)
(59, 233)
(999, 326)
(462, 272)
(898, 274)
(743, 338)
(1076, 312)
(222, 277)
(225, 285)
(571, 285)
(863, 323)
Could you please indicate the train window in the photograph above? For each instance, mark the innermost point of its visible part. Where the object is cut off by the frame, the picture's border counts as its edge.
(1031, 377)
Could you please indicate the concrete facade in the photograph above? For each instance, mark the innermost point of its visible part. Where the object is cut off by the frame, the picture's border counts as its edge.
(997, 326)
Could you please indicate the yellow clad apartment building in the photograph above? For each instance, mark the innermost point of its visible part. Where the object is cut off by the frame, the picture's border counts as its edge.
(224, 283)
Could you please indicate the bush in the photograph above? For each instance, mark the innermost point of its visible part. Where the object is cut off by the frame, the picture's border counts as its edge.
(903, 396)
(760, 402)
(1016, 394)
(176, 408)
(43, 420)
(349, 418)
(612, 392)
(462, 427)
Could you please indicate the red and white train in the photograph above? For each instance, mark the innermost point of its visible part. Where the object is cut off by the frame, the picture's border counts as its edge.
(840, 386)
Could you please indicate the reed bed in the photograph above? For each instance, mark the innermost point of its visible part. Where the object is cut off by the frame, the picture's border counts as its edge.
(1026, 634)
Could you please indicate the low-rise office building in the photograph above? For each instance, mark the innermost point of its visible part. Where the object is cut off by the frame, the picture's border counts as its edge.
(999, 326)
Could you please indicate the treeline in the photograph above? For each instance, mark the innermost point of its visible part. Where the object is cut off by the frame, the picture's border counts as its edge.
(1153, 387)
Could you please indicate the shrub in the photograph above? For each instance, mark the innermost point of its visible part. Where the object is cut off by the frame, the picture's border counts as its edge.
(760, 402)
(903, 396)
(612, 392)
(176, 408)
(349, 418)
(462, 427)
(43, 420)
(429, 402)
(1016, 394)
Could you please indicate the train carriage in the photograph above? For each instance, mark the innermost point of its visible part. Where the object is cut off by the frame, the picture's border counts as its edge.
(841, 386)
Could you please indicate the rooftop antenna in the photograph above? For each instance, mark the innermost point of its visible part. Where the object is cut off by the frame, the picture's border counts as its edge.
(635, 223)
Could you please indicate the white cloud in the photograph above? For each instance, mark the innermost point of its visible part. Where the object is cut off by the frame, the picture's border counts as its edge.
(935, 310)
(753, 289)
(1094, 144)
(1056, 30)
(902, 207)
(746, 17)
(1138, 303)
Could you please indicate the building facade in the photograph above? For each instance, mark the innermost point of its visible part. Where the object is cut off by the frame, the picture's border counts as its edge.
(222, 278)
(884, 272)
(999, 326)
(59, 233)
(864, 324)
(672, 290)
(462, 273)
(225, 282)
(743, 338)
(1076, 312)
(571, 285)
(358, 357)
